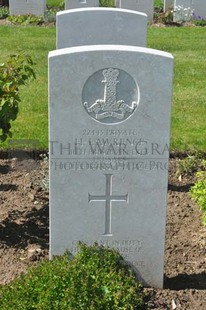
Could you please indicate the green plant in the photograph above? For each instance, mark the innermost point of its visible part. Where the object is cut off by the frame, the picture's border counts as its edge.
(14, 73)
(55, 3)
(199, 22)
(159, 5)
(95, 279)
(107, 3)
(4, 12)
(45, 173)
(50, 14)
(198, 192)
(28, 19)
(191, 164)
(164, 17)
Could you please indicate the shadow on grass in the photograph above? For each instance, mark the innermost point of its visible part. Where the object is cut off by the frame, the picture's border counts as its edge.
(21, 228)
(186, 281)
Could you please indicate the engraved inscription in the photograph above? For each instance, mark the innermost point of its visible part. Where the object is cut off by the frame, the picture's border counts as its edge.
(118, 103)
(108, 198)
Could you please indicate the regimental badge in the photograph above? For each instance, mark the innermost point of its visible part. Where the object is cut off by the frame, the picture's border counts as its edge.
(114, 102)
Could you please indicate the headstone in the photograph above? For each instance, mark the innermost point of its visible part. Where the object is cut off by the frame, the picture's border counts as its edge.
(110, 111)
(168, 4)
(145, 6)
(182, 10)
(74, 4)
(186, 10)
(112, 26)
(23, 7)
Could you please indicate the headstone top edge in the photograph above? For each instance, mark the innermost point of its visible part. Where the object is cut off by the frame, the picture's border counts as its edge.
(79, 10)
(90, 48)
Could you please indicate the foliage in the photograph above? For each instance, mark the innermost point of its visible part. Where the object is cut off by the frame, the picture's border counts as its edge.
(4, 12)
(198, 20)
(159, 5)
(107, 3)
(198, 191)
(45, 173)
(55, 3)
(50, 14)
(28, 19)
(14, 73)
(164, 17)
(95, 279)
(191, 164)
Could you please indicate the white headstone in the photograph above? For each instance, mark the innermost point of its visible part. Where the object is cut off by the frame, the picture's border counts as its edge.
(74, 4)
(168, 4)
(93, 26)
(145, 6)
(23, 7)
(110, 112)
(186, 10)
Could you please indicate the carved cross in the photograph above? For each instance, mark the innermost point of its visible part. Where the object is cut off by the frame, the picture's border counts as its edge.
(108, 198)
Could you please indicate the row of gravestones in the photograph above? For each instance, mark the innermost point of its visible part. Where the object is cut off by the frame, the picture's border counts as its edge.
(109, 109)
(38, 7)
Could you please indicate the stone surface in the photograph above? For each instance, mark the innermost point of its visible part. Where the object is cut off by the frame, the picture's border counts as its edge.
(74, 4)
(191, 9)
(23, 7)
(110, 112)
(112, 26)
(168, 4)
(145, 6)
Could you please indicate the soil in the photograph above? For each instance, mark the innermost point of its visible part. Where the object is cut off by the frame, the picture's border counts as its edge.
(24, 234)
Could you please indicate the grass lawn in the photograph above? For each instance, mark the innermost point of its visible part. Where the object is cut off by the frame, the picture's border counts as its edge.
(187, 44)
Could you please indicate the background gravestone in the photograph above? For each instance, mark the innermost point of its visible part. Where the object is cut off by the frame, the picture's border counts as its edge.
(74, 4)
(110, 112)
(168, 4)
(145, 6)
(197, 7)
(23, 7)
(112, 26)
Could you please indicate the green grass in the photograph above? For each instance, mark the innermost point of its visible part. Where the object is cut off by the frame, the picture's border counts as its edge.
(188, 45)
(32, 121)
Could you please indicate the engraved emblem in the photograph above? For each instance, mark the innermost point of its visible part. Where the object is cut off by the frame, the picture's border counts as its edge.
(119, 96)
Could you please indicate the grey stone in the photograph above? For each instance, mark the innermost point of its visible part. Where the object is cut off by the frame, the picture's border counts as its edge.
(74, 4)
(110, 112)
(93, 26)
(168, 4)
(145, 6)
(189, 7)
(23, 7)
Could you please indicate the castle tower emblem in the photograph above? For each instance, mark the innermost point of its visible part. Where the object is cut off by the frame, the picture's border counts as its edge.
(119, 87)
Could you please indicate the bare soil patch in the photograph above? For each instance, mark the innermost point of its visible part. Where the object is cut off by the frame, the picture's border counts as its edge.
(24, 235)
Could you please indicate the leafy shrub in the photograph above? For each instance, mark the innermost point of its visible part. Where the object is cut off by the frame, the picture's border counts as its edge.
(199, 22)
(107, 3)
(4, 12)
(14, 73)
(164, 17)
(190, 165)
(198, 191)
(28, 19)
(95, 279)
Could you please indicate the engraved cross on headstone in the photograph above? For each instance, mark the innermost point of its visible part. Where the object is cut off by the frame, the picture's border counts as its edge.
(108, 198)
